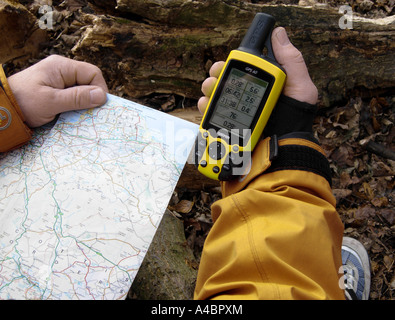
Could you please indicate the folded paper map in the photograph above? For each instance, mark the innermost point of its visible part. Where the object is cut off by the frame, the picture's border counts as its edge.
(80, 204)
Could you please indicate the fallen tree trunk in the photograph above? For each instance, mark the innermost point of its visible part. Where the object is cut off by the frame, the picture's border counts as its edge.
(157, 46)
(20, 35)
(168, 46)
(169, 268)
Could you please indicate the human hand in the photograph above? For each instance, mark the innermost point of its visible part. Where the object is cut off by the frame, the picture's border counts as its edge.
(298, 85)
(57, 84)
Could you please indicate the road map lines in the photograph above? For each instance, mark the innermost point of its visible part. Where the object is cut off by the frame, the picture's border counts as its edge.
(80, 204)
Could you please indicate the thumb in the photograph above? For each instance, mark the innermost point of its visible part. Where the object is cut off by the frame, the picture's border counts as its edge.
(79, 97)
(298, 84)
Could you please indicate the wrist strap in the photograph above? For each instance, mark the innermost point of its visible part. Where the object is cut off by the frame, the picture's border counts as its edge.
(13, 131)
(295, 151)
(296, 154)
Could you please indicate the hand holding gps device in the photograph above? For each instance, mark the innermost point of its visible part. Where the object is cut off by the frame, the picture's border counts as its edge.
(240, 106)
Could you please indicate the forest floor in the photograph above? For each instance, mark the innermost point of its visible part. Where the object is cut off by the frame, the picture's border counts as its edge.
(358, 137)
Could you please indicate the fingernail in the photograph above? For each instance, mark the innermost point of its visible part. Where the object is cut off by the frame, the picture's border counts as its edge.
(282, 37)
(98, 97)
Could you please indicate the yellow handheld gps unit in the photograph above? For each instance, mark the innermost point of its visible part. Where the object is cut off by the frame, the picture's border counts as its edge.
(241, 103)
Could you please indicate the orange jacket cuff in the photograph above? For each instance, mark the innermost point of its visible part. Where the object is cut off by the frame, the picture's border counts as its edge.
(268, 156)
(13, 130)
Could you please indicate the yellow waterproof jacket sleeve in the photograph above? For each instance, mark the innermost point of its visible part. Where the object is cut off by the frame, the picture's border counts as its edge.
(13, 130)
(276, 235)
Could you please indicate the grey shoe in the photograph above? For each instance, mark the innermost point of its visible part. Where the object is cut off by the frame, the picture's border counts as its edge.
(356, 268)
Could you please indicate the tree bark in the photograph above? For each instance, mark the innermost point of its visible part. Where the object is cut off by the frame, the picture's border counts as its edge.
(169, 268)
(159, 46)
(20, 35)
(168, 46)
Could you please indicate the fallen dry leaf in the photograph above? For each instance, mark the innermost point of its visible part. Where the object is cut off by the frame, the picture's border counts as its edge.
(184, 206)
(368, 190)
(364, 213)
(341, 193)
(388, 262)
(389, 215)
(380, 202)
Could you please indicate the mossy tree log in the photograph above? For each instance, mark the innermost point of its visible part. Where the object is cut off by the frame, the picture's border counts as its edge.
(20, 35)
(168, 46)
(159, 46)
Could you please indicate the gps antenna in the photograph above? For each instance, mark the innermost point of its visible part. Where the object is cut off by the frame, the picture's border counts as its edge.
(258, 36)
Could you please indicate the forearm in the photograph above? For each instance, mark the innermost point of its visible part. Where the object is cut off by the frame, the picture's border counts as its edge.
(275, 236)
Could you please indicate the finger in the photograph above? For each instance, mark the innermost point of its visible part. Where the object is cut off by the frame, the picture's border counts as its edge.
(71, 72)
(202, 104)
(208, 86)
(298, 84)
(216, 69)
(82, 73)
(78, 97)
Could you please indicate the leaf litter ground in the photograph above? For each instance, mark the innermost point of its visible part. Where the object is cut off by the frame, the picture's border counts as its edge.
(358, 139)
